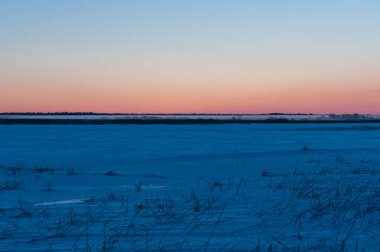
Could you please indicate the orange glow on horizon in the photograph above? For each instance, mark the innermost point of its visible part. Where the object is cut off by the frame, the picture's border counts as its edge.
(208, 99)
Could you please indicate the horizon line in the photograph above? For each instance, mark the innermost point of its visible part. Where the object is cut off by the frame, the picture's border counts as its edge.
(131, 113)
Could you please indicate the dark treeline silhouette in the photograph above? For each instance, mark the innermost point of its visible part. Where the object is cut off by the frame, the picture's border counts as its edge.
(177, 121)
(181, 119)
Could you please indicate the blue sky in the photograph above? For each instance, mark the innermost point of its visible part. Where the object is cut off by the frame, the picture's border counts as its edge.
(190, 56)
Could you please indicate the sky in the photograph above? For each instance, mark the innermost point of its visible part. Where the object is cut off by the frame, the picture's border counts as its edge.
(190, 56)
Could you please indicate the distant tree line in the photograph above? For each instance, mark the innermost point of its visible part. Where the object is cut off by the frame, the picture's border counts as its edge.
(355, 116)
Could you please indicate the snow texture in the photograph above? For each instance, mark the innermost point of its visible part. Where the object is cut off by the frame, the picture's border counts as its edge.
(256, 187)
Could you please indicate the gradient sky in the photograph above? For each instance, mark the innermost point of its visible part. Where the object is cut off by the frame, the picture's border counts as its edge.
(190, 56)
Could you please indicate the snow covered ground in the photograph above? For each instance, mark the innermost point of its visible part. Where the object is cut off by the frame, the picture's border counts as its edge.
(260, 187)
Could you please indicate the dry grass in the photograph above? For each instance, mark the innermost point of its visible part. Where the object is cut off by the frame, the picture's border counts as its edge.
(321, 210)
